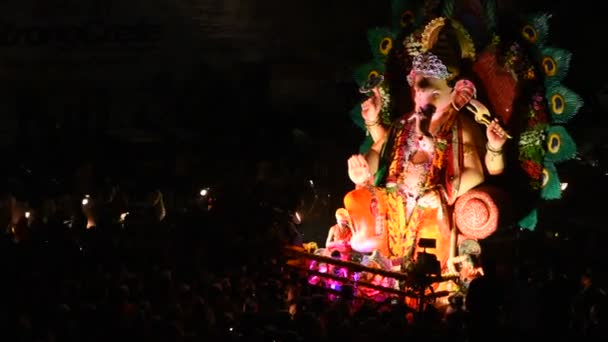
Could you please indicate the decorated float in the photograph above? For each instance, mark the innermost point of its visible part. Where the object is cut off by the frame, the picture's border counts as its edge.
(464, 116)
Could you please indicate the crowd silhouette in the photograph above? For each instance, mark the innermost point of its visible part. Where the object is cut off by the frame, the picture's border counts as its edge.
(119, 262)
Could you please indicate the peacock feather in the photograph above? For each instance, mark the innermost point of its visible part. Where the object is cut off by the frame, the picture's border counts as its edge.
(381, 41)
(551, 187)
(530, 220)
(536, 29)
(554, 63)
(406, 14)
(563, 103)
(489, 8)
(366, 71)
(560, 145)
(447, 10)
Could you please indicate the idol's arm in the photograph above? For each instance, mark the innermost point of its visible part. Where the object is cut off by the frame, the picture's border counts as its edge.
(497, 137)
(373, 157)
(370, 111)
(472, 170)
(495, 161)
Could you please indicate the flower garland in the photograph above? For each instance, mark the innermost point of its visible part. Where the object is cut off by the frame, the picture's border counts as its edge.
(518, 63)
(403, 149)
(385, 109)
(397, 163)
(531, 142)
(413, 44)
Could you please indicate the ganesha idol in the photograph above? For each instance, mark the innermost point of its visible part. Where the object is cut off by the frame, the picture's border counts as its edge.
(423, 177)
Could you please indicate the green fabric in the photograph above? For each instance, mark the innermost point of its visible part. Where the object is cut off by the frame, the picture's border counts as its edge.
(355, 116)
(366, 145)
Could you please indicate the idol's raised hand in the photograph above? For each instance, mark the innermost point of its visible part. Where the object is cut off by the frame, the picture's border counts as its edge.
(358, 170)
(370, 108)
(496, 135)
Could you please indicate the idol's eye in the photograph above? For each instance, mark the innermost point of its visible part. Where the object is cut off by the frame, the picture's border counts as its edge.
(435, 94)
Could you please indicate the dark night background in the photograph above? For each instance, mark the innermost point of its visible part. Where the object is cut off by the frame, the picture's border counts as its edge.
(227, 91)
(142, 103)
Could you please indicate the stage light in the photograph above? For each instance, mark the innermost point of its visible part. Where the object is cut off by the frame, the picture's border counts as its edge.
(123, 216)
(204, 192)
(27, 214)
(564, 186)
(298, 218)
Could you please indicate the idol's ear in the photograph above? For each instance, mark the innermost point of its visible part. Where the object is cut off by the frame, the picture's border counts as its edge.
(463, 92)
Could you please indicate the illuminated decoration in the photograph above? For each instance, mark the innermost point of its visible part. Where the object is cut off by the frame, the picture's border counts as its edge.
(123, 216)
(411, 210)
(297, 218)
(367, 277)
(428, 65)
(431, 32)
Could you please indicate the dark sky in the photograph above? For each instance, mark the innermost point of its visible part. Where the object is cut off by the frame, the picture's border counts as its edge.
(214, 77)
(198, 62)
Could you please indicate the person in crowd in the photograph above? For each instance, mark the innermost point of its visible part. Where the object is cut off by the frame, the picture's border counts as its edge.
(338, 237)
